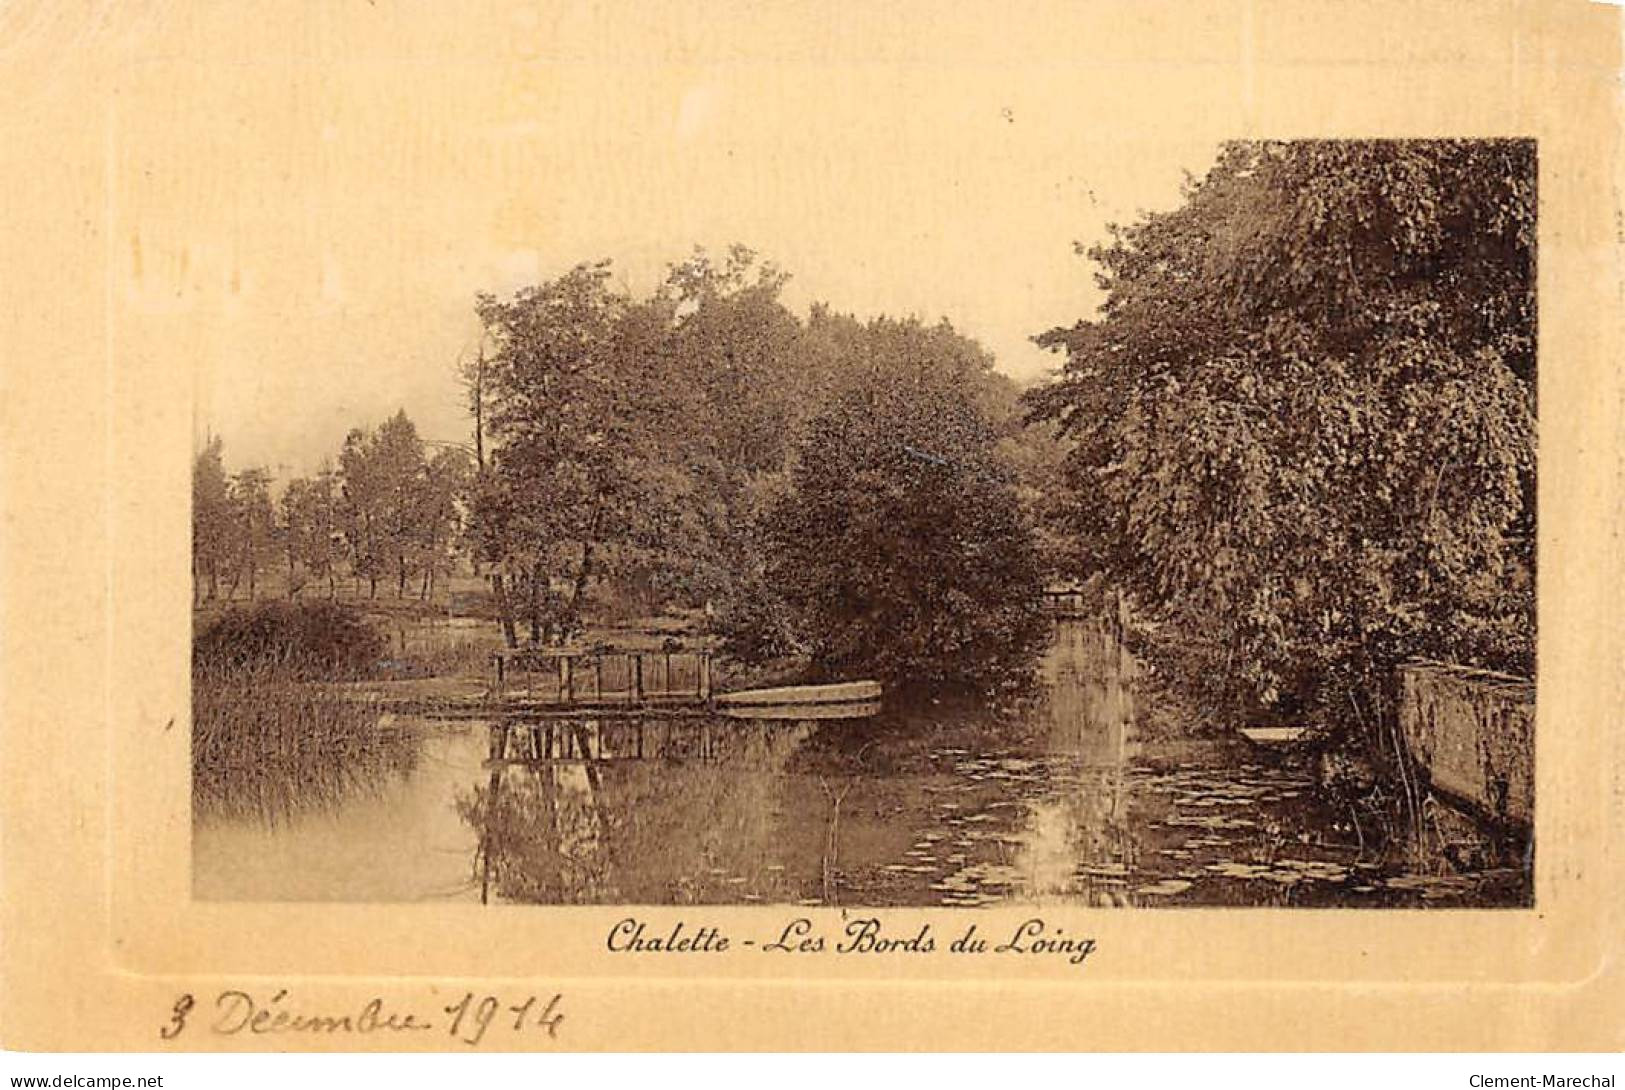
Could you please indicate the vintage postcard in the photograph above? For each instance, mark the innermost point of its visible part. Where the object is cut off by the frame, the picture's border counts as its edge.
(811, 526)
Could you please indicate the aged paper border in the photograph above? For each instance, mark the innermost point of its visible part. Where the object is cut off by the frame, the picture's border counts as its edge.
(99, 930)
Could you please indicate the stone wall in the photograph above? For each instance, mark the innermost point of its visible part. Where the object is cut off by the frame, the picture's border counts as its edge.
(1474, 733)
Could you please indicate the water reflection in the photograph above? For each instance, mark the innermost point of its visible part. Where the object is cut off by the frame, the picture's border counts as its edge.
(667, 812)
(1066, 799)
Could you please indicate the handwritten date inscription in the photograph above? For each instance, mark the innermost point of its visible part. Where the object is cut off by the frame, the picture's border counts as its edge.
(237, 1013)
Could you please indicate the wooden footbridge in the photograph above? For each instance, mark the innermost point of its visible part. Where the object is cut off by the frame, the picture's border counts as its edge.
(1066, 602)
(671, 682)
(559, 706)
(603, 680)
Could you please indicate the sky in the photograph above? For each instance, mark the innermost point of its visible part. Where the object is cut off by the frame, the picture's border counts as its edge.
(304, 218)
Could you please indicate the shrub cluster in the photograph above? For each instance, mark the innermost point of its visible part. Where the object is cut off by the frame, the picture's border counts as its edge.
(306, 640)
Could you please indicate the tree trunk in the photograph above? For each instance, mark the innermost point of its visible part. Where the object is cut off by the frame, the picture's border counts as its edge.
(332, 586)
(479, 410)
(580, 588)
(504, 609)
(536, 602)
(581, 576)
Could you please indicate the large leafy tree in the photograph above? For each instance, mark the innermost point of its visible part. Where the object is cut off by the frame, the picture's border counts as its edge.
(737, 345)
(1303, 419)
(382, 506)
(310, 530)
(901, 547)
(734, 403)
(575, 485)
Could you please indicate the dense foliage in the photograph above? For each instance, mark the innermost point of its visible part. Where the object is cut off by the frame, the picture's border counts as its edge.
(390, 512)
(1303, 422)
(827, 487)
(827, 491)
(901, 547)
(321, 640)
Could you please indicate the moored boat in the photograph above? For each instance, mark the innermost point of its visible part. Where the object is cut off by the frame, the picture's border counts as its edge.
(845, 692)
(1274, 736)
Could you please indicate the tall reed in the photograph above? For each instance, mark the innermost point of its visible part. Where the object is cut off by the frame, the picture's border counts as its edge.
(266, 744)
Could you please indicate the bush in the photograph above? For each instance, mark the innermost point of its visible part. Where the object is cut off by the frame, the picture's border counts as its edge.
(755, 624)
(305, 640)
(901, 550)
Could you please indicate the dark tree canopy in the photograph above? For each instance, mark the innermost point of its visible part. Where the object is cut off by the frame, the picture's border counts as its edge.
(901, 547)
(1304, 418)
(826, 486)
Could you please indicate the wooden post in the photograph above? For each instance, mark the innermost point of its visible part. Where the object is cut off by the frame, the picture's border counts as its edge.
(567, 681)
(635, 672)
(705, 675)
(598, 677)
(584, 743)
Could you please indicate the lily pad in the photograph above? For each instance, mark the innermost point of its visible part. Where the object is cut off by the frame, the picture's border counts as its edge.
(1165, 888)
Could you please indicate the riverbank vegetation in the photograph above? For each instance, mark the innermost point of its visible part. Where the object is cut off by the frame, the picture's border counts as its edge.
(1293, 448)
(266, 744)
(1302, 425)
(270, 733)
(308, 640)
(802, 479)
(820, 495)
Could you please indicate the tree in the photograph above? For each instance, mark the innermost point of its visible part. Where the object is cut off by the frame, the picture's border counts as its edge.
(382, 473)
(254, 523)
(471, 374)
(901, 547)
(295, 516)
(311, 538)
(735, 395)
(576, 483)
(211, 519)
(437, 504)
(736, 345)
(1304, 418)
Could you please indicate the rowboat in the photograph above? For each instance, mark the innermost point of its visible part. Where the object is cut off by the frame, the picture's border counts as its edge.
(1274, 736)
(855, 709)
(845, 692)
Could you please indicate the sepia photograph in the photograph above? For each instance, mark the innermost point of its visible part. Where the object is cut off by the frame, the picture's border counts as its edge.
(789, 565)
(535, 526)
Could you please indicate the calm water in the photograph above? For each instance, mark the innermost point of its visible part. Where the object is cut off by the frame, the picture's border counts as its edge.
(1065, 803)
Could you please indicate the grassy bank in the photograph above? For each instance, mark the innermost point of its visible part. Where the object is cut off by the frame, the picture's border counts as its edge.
(265, 745)
(269, 735)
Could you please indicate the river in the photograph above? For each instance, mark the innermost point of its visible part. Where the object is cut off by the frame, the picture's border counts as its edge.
(1066, 802)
